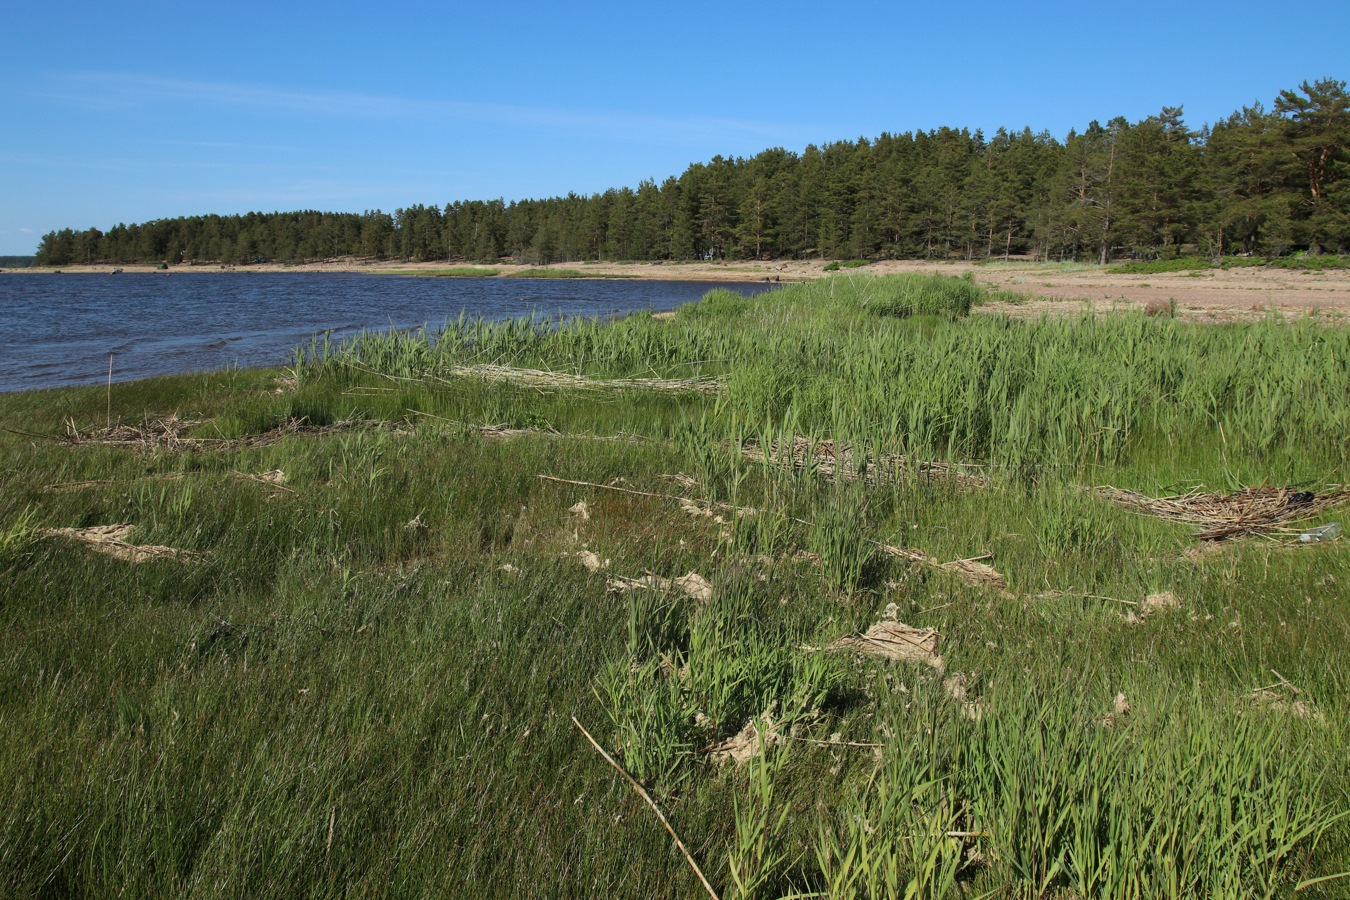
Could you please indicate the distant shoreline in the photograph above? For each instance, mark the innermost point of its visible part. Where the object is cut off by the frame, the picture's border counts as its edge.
(1219, 295)
(794, 270)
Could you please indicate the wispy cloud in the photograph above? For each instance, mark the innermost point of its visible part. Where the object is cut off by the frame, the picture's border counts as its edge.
(140, 165)
(126, 90)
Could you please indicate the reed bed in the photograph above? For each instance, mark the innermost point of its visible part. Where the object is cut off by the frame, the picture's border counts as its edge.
(1021, 395)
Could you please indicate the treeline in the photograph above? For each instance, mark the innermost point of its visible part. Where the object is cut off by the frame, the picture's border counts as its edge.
(1259, 182)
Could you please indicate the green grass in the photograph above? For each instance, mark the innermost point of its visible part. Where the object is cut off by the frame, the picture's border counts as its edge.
(366, 685)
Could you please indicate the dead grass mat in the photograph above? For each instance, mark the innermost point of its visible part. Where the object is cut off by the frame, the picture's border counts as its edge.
(111, 540)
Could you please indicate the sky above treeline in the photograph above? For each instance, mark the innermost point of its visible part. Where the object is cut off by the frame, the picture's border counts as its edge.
(134, 111)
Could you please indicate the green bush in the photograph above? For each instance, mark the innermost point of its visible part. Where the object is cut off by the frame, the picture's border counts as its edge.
(1155, 266)
(845, 264)
(1311, 263)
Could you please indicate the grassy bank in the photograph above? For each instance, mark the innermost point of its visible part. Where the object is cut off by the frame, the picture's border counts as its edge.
(341, 651)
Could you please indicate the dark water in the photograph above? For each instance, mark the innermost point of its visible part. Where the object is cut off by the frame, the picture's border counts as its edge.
(59, 330)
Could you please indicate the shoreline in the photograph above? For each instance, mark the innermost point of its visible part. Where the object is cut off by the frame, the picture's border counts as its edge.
(1216, 295)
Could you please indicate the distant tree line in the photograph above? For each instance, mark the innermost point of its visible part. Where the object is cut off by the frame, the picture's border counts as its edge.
(1259, 182)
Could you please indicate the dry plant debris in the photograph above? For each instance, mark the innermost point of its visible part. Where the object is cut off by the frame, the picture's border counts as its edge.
(490, 432)
(693, 584)
(971, 570)
(591, 561)
(505, 432)
(542, 378)
(896, 641)
(685, 481)
(580, 510)
(1119, 707)
(152, 434)
(272, 478)
(839, 462)
(1165, 601)
(105, 482)
(1256, 510)
(112, 541)
(958, 689)
(286, 384)
(759, 732)
(1284, 697)
(169, 434)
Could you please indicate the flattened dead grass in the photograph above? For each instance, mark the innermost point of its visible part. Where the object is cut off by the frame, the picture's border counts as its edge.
(112, 540)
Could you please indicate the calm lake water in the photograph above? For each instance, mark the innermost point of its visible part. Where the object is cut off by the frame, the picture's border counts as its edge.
(59, 330)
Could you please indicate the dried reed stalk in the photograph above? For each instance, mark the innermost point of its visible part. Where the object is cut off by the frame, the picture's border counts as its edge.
(970, 570)
(689, 857)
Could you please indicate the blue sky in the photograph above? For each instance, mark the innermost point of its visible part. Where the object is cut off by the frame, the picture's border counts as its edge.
(133, 111)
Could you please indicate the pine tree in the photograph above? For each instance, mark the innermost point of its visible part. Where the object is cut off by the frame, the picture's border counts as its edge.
(1318, 133)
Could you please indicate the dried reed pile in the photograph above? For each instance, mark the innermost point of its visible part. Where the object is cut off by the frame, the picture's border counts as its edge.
(153, 434)
(170, 434)
(835, 461)
(971, 571)
(896, 641)
(1255, 510)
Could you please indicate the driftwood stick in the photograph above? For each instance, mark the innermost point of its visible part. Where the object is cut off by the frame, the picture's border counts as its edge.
(650, 802)
(1285, 681)
(610, 487)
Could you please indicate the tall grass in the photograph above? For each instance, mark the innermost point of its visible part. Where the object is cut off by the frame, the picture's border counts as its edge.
(1025, 395)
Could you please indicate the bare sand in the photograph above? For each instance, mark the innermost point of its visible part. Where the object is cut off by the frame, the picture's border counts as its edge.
(1208, 295)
